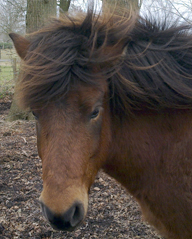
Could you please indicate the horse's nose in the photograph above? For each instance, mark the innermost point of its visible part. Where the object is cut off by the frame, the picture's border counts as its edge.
(67, 221)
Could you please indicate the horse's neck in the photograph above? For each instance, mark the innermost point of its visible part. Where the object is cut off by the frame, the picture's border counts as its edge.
(149, 143)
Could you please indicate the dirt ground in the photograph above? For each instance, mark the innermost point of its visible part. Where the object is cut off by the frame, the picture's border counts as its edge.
(112, 212)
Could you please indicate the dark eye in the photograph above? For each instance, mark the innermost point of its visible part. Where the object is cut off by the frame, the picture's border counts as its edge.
(95, 113)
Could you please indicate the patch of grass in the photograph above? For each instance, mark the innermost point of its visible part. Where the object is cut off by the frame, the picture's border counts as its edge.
(6, 80)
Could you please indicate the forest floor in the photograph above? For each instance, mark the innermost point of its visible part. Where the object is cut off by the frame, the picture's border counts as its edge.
(112, 212)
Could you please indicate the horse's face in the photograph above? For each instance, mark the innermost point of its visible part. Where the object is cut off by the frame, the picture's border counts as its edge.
(73, 137)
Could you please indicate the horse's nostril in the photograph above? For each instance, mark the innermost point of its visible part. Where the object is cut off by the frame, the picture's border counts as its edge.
(67, 221)
(75, 214)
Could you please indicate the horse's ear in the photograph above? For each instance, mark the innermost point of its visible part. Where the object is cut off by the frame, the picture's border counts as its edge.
(21, 44)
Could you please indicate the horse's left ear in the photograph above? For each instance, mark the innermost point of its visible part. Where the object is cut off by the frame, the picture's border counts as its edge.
(21, 44)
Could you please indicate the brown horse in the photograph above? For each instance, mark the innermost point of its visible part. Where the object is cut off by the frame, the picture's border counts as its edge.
(112, 92)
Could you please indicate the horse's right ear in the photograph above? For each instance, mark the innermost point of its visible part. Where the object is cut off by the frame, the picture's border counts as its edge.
(21, 44)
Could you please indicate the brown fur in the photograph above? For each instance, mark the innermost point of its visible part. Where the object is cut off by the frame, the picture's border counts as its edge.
(137, 75)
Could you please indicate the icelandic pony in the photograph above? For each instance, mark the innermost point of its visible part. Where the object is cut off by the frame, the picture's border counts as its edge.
(112, 92)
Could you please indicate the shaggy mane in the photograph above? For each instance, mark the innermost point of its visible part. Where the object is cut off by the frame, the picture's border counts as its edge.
(146, 64)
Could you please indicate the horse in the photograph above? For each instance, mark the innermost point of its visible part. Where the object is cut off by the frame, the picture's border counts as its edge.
(111, 92)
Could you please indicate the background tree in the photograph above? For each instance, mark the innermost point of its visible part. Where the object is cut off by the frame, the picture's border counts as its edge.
(181, 9)
(38, 11)
(12, 17)
(134, 4)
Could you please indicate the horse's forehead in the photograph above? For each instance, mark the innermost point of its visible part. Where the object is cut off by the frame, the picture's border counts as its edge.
(90, 93)
(78, 98)
(86, 94)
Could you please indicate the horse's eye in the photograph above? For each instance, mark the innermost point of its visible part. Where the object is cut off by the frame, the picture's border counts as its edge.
(95, 113)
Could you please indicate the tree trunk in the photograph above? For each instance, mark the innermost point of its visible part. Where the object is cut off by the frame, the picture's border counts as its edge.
(64, 5)
(38, 11)
(134, 4)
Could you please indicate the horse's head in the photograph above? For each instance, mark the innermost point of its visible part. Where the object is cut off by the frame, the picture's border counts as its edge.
(64, 81)
(73, 136)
